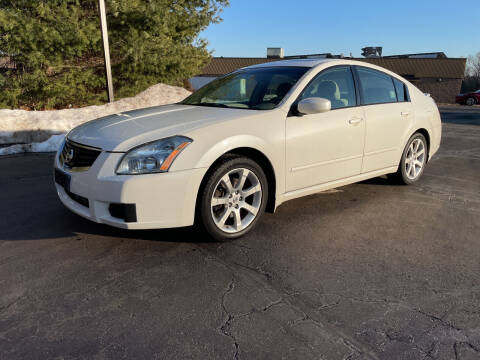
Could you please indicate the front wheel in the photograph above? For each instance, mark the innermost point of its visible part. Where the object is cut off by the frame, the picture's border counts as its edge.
(233, 198)
(414, 159)
(471, 101)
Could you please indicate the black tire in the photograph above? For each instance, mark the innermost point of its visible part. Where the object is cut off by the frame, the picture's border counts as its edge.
(204, 216)
(471, 101)
(401, 176)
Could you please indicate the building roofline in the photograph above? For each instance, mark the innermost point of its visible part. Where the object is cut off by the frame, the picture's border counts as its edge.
(298, 57)
(448, 68)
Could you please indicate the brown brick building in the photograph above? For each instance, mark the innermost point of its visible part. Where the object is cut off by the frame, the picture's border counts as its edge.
(440, 77)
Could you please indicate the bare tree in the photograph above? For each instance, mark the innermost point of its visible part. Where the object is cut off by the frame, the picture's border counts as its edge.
(471, 82)
(473, 66)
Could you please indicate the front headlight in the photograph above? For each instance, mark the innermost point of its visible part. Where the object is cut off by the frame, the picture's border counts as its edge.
(153, 157)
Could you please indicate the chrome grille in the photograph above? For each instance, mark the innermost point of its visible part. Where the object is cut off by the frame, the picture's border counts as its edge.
(78, 157)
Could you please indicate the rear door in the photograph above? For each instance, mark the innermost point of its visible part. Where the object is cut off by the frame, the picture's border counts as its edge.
(388, 114)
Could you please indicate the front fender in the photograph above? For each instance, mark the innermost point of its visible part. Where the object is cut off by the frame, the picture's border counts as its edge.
(263, 132)
(229, 144)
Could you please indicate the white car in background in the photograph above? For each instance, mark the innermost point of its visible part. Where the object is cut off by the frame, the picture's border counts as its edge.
(245, 143)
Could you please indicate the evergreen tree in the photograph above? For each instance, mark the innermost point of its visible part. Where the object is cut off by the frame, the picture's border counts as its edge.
(56, 47)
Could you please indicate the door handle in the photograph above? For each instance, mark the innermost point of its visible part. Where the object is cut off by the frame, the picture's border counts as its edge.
(355, 120)
(405, 113)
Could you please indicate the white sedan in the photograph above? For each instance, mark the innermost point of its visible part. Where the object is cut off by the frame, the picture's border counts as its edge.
(245, 143)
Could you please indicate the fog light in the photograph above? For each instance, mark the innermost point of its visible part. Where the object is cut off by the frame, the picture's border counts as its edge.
(126, 212)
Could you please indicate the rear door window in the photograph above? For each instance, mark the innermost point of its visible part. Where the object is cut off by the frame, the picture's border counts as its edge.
(376, 87)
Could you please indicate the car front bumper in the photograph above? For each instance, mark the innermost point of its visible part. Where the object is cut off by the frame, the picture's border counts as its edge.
(162, 200)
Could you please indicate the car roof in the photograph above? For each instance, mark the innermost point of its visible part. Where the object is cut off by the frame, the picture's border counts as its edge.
(312, 63)
(294, 62)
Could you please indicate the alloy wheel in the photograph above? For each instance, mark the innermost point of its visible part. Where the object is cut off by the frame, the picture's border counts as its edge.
(415, 159)
(236, 200)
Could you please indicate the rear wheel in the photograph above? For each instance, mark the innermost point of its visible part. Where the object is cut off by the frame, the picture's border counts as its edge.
(414, 159)
(233, 198)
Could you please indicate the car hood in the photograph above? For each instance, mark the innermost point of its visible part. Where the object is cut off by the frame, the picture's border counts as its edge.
(121, 132)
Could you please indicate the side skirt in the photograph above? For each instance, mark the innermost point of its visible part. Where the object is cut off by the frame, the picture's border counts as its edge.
(333, 184)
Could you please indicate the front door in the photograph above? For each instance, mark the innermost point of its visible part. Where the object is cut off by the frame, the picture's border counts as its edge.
(328, 146)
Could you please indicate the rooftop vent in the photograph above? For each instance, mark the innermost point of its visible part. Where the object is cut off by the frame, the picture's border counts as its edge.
(372, 51)
(275, 53)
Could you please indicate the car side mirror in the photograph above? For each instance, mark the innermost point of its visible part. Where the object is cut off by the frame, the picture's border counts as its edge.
(313, 105)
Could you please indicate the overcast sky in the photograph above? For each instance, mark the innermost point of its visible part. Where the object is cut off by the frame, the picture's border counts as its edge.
(317, 26)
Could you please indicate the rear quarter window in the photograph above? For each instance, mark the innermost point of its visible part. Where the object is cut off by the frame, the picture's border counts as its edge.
(402, 91)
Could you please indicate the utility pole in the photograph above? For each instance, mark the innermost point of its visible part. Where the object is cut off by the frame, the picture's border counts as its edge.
(106, 49)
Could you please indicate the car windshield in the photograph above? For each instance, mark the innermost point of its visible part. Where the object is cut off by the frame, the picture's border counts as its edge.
(255, 89)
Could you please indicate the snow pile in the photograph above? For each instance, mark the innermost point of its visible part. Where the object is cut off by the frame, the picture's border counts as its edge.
(33, 130)
(52, 144)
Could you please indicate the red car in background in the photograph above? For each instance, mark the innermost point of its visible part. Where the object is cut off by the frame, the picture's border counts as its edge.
(469, 98)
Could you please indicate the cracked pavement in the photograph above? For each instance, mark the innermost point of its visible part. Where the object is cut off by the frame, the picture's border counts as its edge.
(371, 271)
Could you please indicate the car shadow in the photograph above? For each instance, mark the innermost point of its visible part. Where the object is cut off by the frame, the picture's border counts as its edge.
(31, 209)
(189, 234)
(382, 180)
(57, 222)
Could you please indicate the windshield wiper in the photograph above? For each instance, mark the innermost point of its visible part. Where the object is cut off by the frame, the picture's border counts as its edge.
(211, 105)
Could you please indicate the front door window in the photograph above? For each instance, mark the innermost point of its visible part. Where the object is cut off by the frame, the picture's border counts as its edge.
(334, 84)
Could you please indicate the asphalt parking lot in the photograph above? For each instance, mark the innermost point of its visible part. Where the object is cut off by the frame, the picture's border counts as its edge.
(369, 271)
